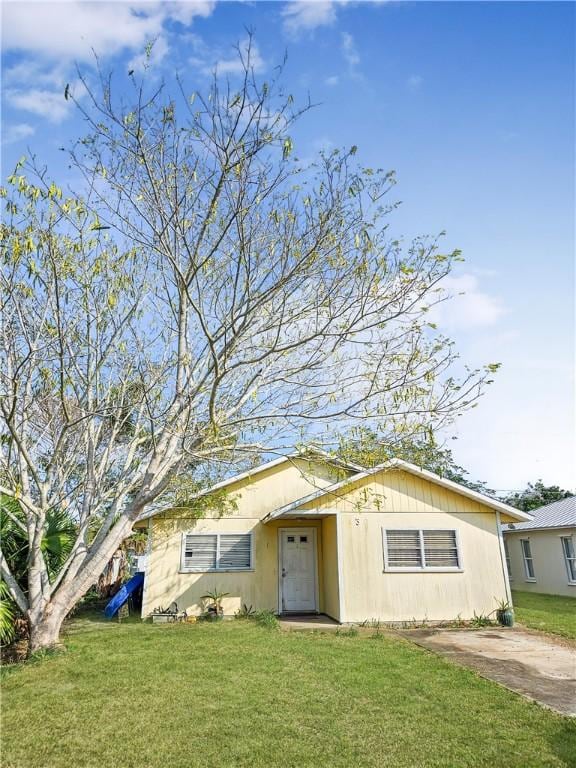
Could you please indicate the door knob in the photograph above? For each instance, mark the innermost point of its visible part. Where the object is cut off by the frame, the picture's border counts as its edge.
(283, 572)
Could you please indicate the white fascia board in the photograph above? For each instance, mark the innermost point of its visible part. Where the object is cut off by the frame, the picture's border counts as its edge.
(262, 468)
(488, 501)
(535, 528)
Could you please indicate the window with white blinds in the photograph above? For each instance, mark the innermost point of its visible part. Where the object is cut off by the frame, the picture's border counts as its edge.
(216, 552)
(415, 549)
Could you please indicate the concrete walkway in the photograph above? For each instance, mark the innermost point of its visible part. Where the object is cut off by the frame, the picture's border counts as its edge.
(533, 665)
(307, 621)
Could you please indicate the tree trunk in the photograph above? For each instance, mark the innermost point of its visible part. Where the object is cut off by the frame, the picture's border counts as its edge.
(46, 622)
(45, 632)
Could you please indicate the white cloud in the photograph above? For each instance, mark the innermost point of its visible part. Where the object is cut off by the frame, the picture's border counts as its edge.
(51, 35)
(306, 15)
(186, 11)
(349, 51)
(70, 30)
(158, 51)
(332, 80)
(46, 103)
(207, 60)
(414, 82)
(469, 307)
(13, 133)
(27, 71)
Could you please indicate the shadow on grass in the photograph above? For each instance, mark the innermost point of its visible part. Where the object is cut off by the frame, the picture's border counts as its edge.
(91, 617)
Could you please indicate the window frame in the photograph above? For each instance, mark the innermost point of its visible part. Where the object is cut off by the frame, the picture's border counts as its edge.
(508, 558)
(423, 568)
(567, 559)
(187, 569)
(527, 576)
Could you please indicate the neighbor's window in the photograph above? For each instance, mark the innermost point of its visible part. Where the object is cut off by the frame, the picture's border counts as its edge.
(569, 557)
(216, 552)
(528, 561)
(420, 550)
(508, 564)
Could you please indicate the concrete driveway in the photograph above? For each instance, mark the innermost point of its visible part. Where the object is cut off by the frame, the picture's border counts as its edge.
(536, 666)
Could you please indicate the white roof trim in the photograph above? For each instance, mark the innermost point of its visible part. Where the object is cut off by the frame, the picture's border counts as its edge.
(307, 454)
(566, 527)
(414, 470)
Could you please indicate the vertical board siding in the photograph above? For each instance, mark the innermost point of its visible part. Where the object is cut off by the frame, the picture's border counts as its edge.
(258, 587)
(408, 501)
(372, 592)
(330, 567)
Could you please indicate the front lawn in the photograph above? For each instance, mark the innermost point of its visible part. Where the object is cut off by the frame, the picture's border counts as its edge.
(238, 694)
(549, 613)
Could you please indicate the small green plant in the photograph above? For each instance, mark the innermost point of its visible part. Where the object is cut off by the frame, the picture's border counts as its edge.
(7, 615)
(164, 611)
(457, 622)
(374, 624)
(213, 609)
(347, 631)
(266, 619)
(245, 612)
(481, 620)
(45, 653)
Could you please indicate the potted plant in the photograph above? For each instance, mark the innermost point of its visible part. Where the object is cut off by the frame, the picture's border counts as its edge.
(167, 615)
(505, 613)
(213, 608)
(161, 615)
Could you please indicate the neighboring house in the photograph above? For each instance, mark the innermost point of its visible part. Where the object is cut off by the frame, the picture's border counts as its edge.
(396, 543)
(541, 553)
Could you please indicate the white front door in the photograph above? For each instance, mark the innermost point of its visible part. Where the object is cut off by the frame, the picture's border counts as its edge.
(298, 569)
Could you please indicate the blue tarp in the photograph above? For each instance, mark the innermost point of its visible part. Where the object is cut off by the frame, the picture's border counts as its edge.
(123, 594)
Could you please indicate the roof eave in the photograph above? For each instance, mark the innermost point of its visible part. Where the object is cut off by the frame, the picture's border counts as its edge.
(309, 453)
(488, 501)
(506, 528)
(497, 506)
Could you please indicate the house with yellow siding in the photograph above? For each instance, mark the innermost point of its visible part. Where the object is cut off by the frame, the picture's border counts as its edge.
(305, 534)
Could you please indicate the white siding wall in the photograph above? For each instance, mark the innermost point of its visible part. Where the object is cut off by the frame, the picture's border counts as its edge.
(550, 572)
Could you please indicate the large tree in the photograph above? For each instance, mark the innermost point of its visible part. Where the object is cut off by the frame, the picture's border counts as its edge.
(537, 495)
(365, 446)
(199, 295)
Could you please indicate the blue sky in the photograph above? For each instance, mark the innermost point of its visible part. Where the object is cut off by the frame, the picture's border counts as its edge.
(471, 103)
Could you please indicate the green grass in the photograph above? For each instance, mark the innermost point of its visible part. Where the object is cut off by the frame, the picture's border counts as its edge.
(242, 695)
(549, 613)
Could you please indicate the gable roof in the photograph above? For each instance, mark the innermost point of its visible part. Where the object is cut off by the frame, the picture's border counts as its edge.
(488, 501)
(308, 453)
(559, 514)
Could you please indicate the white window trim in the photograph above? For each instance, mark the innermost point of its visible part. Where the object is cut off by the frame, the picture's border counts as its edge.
(508, 559)
(423, 569)
(571, 581)
(527, 577)
(184, 569)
